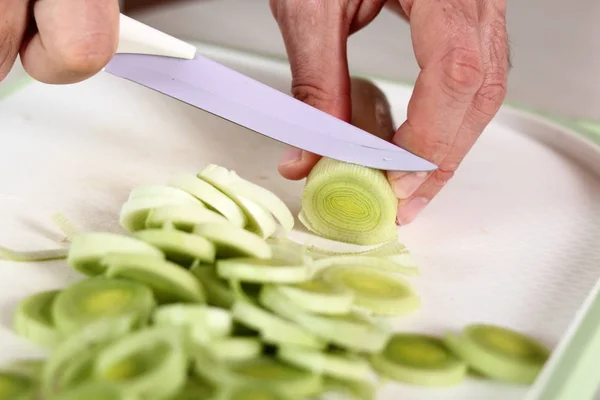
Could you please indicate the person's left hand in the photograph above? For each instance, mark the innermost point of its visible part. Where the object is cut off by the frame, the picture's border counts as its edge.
(461, 47)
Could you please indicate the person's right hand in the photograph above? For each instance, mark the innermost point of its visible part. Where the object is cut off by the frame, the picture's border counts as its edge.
(59, 41)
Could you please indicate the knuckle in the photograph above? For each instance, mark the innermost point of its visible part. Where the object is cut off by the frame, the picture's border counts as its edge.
(442, 176)
(8, 52)
(316, 96)
(490, 97)
(434, 147)
(88, 54)
(462, 70)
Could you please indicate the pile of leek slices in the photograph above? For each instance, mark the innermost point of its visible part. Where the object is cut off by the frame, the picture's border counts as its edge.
(206, 297)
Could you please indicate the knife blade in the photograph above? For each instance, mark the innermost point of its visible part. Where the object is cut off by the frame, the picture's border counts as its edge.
(210, 86)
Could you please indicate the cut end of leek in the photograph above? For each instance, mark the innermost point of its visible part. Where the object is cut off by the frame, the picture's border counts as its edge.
(349, 203)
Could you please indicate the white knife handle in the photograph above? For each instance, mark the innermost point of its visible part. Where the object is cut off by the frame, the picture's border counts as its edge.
(138, 38)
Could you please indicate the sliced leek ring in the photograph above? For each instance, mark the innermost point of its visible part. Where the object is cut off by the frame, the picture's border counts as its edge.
(93, 391)
(149, 363)
(218, 292)
(421, 360)
(33, 319)
(499, 353)
(375, 290)
(180, 247)
(194, 389)
(235, 349)
(86, 301)
(231, 241)
(134, 212)
(349, 203)
(212, 197)
(384, 264)
(182, 216)
(264, 371)
(87, 250)
(262, 271)
(168, 281)
(319, 296)
(162, 191)
(274, 329)
(351, 331)
(246, 189)
(15, 386)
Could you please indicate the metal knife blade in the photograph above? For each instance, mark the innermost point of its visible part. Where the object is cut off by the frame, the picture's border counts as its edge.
(224, 92)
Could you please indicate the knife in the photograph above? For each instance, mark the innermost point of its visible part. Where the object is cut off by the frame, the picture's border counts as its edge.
(171, 66)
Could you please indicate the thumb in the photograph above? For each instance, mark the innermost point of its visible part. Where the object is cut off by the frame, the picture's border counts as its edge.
(315, 35)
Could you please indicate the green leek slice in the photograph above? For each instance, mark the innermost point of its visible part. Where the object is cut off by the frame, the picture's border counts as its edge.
(217, 291)
(375, 290)
(33, 256)
(232, 242)
(14, 386)
(180, 247)
(245, 188)
(162, 191)
(264, 371)
(168, 281)
(149, 363)
(258, 219)
(93, 391)
(381, 263)
(499, 353)
(134, 212)
(337, 365)
(357, 390)
(260, 270)
(319, 296)
(212, 197)
(349, 203)
(234, 349)
(33, 319)
(251, 391)
(183, 216)
(274, 329)
(65, 367)
(85, 301)
(87, 250)
(421, 360)
(65, 225)
(29, 367)
(194, 389)
(351, 331)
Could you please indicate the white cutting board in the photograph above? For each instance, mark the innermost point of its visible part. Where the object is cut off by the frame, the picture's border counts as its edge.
(512, 239)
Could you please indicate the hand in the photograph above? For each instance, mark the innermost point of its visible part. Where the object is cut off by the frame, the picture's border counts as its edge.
(461, 47)
(59, 41)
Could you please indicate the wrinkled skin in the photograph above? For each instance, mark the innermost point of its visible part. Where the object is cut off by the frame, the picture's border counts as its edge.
(461, 47)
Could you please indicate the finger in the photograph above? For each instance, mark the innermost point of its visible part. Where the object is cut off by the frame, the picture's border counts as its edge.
(13, 20)
(314, 35)
(447, 48)
(74, 40)
(484, 105)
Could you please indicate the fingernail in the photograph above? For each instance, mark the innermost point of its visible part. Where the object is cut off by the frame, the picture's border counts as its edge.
(291, 156)
(405, 184)
(409, 211)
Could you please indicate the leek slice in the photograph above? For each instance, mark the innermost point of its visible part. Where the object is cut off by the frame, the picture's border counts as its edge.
(251, 391)
(231, 241)
(349, 203)
(258, 219)
(319, 296)
(217, 291)
(14, 386)
(33, 319)
(262, 271)
(29, 367)
(65, 225)
(274, 329)
(146, 364)
(234, 349)
(342, 366)
(499, 353)
(183, 216)
(134, 212)
(162, 191)
(212, 197)
(194, 390)
(168, 281)
(180, 247)
(87, 250)
(245, 188)
(419, 360)
(357, 390)
(86, 301)
(375, 290)
(64, 367)
(264, 371)
(351, 331)
(381, 263)
(93, 391)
